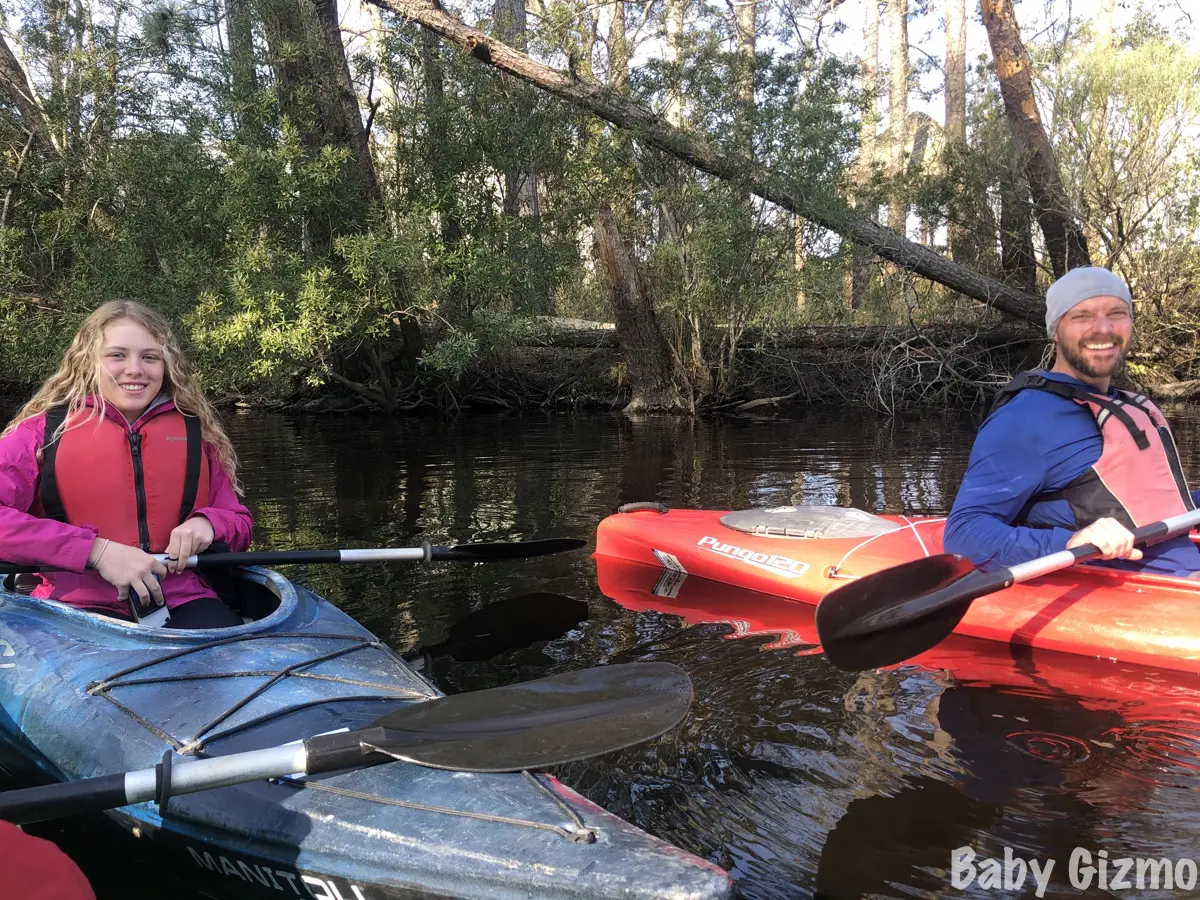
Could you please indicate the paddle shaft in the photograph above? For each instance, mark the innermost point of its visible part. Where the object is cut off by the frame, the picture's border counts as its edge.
(978, 584)
(424, 553)
(323, 753)
(530, 725)
(53, 801)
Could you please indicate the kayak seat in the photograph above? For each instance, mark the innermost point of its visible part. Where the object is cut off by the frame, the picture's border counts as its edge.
(808, 522)
(249, 599)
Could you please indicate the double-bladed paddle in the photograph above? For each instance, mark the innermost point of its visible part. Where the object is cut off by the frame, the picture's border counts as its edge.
(898, 613)
(530, 725)
(425, 553)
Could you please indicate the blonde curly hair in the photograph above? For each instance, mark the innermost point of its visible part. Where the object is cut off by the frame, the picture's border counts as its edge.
(78, 377)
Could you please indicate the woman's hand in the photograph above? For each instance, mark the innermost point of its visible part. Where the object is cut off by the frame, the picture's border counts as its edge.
(188, 539)
(126, 567)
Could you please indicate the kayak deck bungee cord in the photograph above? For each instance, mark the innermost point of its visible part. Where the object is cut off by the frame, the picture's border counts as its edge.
(83, 695)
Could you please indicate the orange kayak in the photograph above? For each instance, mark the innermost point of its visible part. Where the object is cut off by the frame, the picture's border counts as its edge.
(1146, 720)
(801, 554)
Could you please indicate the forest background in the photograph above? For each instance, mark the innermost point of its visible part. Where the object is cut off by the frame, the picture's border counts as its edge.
(404, 205)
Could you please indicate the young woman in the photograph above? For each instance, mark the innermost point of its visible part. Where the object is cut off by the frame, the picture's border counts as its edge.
(119, 456)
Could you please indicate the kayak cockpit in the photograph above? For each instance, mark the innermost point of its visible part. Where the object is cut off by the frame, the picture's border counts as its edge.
(263, 598)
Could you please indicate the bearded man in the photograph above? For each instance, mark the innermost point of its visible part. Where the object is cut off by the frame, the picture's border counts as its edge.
(1065, 459)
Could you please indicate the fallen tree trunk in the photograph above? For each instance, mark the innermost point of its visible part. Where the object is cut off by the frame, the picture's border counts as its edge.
(825, 210)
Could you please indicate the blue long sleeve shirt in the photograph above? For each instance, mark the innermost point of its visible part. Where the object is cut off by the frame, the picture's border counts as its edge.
(1037, 442)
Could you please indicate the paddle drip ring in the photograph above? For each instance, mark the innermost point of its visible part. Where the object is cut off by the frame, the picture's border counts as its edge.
(162, 783)
(1049, 747)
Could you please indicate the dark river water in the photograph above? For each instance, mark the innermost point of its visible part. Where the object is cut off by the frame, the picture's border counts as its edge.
(799, 779)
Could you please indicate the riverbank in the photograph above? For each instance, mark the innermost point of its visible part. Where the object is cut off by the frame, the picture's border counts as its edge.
(577, 364)
(886, 369)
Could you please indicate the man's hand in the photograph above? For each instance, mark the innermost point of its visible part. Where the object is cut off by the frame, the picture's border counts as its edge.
(1114, 540)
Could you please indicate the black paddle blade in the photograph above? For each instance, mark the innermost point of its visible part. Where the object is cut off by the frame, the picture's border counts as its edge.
(897, 613)
(510, 624)
(530, 725)
(505, 550)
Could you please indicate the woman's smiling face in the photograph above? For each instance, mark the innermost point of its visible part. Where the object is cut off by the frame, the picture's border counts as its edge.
(132, 367)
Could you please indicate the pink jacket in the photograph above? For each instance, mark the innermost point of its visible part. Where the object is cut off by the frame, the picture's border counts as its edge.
(29, 540)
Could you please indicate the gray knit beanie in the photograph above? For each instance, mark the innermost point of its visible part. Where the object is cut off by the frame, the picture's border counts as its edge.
(1079, 285)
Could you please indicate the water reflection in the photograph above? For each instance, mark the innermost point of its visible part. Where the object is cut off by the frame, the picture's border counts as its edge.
(796, 777)
(967, 745)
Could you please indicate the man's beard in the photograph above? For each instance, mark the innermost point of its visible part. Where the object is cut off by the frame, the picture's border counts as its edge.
(1074, 355)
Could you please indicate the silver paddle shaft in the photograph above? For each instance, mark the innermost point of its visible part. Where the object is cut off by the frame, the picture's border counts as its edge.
(383, 554)
(1166, 529)
(188, 776)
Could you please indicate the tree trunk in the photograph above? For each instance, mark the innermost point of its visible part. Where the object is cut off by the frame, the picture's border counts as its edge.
(309, 60)
(864, 195)
(956, 73)
(241, 55)
(445, 184)
(822, 209)
(15, 87)
(800, 262)
(520, 182)
(1065, 242)
(1017, 261)
(675, 228)
(340, 102)
(520, 194)
(317, 93)
(1097, 154)
(676, 20)
(290, 56)
(647, 355)
(745, 13)
(897, 112)
(58, 69)
(618, 49)
(1103, 24)
(962, 246)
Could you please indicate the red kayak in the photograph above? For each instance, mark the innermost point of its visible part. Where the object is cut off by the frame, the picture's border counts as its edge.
(1153, 729)
(804, 553)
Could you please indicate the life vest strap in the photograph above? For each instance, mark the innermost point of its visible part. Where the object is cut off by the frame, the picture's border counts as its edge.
(191, 481)
(1074, 392)
(52, 503)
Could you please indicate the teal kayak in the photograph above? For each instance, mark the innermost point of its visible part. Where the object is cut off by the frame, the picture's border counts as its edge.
(84, 696)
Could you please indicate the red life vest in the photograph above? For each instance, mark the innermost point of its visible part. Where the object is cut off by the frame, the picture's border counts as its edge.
(1138, 478)
(133, 485)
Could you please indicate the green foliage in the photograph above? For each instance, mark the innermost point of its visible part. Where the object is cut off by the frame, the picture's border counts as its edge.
(248, 220)
(1127, 130)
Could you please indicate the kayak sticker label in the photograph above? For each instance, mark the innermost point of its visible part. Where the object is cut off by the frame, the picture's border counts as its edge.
(291, 883)
(7, 650)
(668, 584)
(770, 562)
(667, 561)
